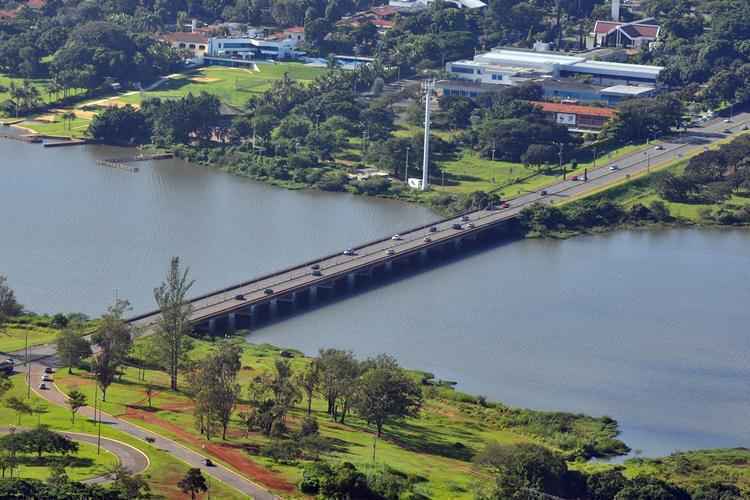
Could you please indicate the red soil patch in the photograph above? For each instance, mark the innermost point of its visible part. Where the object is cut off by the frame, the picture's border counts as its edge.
(231, 454)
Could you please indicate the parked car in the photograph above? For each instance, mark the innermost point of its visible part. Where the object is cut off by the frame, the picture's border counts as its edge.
(396, 237)
(239, 296)
(268, 291)
(348, 251)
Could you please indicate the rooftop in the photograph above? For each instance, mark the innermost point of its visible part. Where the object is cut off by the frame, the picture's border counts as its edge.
(575, 109)
(630, 90)
(527, 57)
(643, 28)
(185, 37)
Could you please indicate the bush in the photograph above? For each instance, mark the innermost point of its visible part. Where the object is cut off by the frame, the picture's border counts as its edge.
(309, 427)
(283, 451)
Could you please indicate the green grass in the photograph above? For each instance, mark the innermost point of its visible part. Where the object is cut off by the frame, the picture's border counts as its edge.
(85, 464)
(13, 336)
(77, 128)
(232, 85)
(437, 446)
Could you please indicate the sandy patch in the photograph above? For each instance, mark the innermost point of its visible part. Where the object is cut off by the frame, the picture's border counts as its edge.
(204, 79)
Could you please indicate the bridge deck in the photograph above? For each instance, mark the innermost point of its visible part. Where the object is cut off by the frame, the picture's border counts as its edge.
(338, 265)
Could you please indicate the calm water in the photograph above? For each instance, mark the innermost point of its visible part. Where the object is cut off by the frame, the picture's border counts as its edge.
(648, 327)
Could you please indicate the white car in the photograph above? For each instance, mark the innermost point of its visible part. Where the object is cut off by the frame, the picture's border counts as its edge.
(46, 378)
(43, 386)
(659, 148)
(614, 167)
(396, 237)
(727, 120)
(348, 251)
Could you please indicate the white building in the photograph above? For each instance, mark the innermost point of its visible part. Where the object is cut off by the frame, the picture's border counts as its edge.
(417, 5)
(506, 66)
(279, 45)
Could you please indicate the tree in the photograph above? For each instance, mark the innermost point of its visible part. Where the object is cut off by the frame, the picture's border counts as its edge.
(149, 392)
(647, 488)
(9, 307)
(76, 401)
(129, 486)
(19, 406)
(174, 322)
(68, 117)
(113, 340)
(537, 154)
(385, 394)
(308, 380)
(193, 482)
(214, 387)
(525, 471)
(339, 371)
(43, 440)
(120, 125)
(72, 347)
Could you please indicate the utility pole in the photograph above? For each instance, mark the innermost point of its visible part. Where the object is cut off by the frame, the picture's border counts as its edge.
(429, 87)
(494, 147)
(594, 167)
(560, 157)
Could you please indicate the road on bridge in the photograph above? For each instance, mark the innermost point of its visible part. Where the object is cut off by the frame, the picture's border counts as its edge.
(335, 266)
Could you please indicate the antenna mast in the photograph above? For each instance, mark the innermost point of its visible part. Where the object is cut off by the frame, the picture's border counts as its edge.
(429, 87)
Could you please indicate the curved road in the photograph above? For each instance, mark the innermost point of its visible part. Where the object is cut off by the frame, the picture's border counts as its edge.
(133, 459)
(44, 356)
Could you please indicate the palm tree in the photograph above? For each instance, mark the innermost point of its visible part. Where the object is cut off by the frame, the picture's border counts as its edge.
(68, 117)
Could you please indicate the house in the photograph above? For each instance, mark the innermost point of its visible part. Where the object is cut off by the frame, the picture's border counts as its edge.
(195, 43)
(575, 117)
(9, 14)
(240, 51)
(637, 34)
(383, 17)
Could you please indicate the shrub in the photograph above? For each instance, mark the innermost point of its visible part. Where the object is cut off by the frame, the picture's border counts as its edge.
(309, 427)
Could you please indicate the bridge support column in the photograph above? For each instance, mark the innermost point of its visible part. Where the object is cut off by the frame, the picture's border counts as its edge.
(212, 326)
(273, 308)
(389, 266)
(313, 295)
(423, 257)
(351, 281)
(232, 326)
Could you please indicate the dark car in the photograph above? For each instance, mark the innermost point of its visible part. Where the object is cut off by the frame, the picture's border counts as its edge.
(315, 267)
(239, 296)
(457, 226)
(727, 131)
(543, 192)
(316, 272)
(505, 205)
(433, 229)
(268, 291)
(208, 462)
(49, 370)
(465, 218)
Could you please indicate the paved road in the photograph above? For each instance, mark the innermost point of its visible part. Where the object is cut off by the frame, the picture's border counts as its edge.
(44, 357)
(133, 459)
(284, 282)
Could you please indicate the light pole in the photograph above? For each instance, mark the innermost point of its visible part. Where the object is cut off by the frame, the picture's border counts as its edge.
(594, 166)
(494, 147)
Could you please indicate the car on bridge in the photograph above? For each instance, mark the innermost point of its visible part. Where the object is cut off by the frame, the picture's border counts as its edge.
(465, 218)
(239, 296)
(470, 226)
(315, 267)
(348, 251)
(268, 291)
(614, 167)
(316, 272)
(390, 251)
(396, 237)
(457, 226)
(427, 239)
(433, 229)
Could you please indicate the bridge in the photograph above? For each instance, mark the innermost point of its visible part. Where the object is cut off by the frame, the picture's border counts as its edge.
(240, 306)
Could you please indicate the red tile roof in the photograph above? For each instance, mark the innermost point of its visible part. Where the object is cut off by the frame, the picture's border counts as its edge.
(633, 30)
(575, 109)
(8, 14)
(36, 4)
(295, 29)
(382, 23)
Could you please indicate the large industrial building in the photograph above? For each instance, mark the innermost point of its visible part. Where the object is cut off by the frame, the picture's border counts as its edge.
(563, 77)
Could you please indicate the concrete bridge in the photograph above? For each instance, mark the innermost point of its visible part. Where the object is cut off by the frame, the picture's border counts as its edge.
(241, 306)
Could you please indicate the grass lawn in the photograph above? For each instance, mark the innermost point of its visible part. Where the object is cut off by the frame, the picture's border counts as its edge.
(232, 85)
(39, 83)
(436, 447)
(58, 128)
(13, 336)
(83, 465)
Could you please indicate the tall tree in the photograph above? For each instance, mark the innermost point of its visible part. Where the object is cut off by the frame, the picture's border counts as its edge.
(174, 322)
(19, 406)
(309, 380)
(113, 341)
(76, 401)
(193, 483)
(9, 306)
(72, 347)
